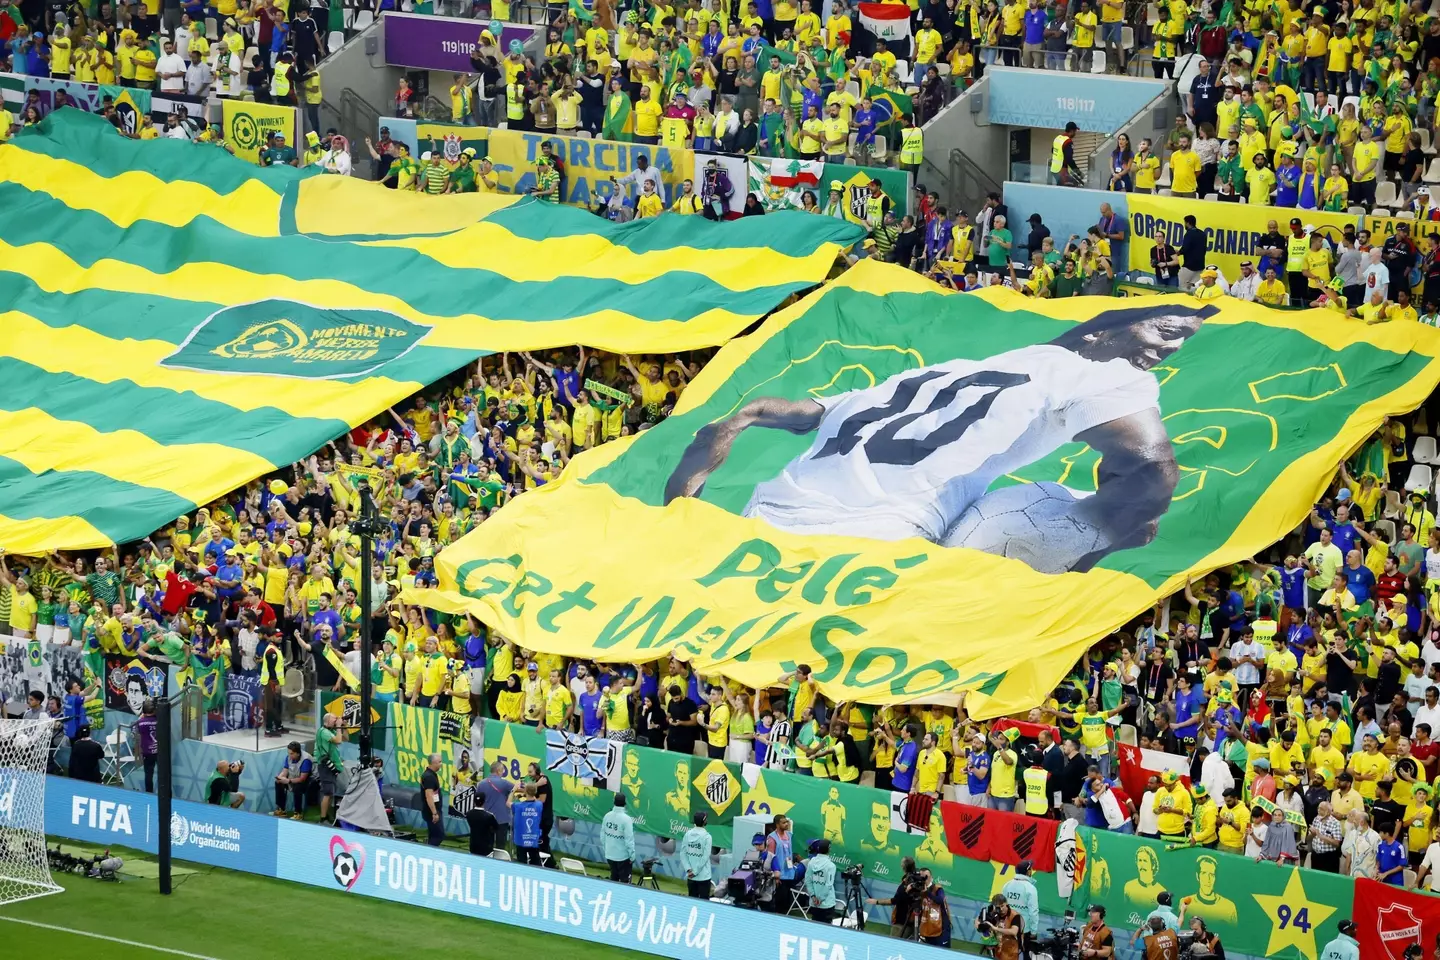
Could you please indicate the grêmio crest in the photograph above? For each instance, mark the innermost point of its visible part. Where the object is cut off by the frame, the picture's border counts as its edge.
(291, 339)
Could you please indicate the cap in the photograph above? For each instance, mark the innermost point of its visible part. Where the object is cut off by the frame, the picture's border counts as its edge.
(544, 161)
(1296, 222)
(1262, 762)
(868, 243)
(468, 151)
(1336, 283)
(1292, 781)
(1210, 272)
(836, 185)
(532, 665)
(1034, 218)
(1170, 776)
(1200, 791)
(1343, 495)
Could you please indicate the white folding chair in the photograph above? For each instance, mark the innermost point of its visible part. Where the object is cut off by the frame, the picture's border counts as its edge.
(119, 757)
(1420, 478)
(498, 854)
(799, 903)
(571, 865)
(1424, 451)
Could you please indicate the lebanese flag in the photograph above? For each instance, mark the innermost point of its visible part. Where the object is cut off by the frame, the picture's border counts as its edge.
(796, 173)
(888, 21)
(1137, 766)
(1394, 919)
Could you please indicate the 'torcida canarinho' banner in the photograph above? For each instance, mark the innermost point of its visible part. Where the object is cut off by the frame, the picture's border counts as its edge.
(915, 491)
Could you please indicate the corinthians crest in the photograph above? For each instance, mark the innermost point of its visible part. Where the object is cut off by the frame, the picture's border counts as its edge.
(289, 338)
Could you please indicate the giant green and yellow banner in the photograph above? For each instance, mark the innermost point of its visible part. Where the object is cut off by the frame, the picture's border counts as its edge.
(917, 492)
(1260, 910)
(178, 322)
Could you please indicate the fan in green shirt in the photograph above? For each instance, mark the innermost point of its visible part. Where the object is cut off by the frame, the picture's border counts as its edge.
(1068, 283)
(488, 489)
(278, 154)
(462, 179)
(999, 253)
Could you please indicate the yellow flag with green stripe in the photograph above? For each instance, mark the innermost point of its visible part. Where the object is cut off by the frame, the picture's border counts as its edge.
(175, 322)
(919, 492)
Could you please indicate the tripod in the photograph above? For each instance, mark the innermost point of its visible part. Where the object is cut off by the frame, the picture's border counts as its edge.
(855, 894)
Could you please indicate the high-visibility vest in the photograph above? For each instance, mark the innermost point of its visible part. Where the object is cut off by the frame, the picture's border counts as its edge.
(1057, 153)
(875, 211)
(1037, 779)
(1295, 250)
(265, 665)
(514, 102)
(280, 83)
(912, 145)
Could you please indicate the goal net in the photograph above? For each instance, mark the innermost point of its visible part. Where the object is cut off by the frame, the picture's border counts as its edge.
(24, 867)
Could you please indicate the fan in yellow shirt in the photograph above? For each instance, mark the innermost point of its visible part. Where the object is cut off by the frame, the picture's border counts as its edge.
(649, 204)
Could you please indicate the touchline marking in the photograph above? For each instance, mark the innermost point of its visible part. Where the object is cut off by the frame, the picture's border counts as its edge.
(101, 936)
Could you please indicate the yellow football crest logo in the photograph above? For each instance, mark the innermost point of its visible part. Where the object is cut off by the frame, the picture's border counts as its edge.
(273, 338)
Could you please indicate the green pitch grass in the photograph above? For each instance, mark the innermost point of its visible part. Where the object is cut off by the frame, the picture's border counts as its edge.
(222, 915)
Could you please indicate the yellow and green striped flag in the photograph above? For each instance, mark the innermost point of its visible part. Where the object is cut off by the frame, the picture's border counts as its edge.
(175, 322)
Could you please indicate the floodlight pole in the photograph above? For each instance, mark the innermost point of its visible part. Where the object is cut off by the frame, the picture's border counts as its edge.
(164, 788)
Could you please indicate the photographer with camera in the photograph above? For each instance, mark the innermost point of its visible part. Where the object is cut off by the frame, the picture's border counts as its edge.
(902, 904)
(222, 789)
(1203, 942)
(1096, 939)
(1001, 927)
(327, 761)
(1161, 942)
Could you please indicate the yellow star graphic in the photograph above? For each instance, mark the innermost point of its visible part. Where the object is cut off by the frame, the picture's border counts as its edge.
(1293, 917)
(758, 800)
(516, 763)
(1003, 875)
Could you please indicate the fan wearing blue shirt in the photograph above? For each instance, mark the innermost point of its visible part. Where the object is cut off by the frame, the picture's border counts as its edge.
(1390, 857)
(1292, 584)
(1342, 531)
(1358, 577)
(905, 756)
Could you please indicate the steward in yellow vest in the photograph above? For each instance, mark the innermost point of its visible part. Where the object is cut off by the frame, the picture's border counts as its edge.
(912, 145)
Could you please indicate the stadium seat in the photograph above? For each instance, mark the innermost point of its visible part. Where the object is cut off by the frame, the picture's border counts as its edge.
(1127, 37)
(1152, 13)
(1380, 212)
(571, 865)
(1212, 196)
(878, 149)
(212, 29)
(335, 41)
(1432, 171)
(1405, 214)
(1424, 134)
(1425, 451)
(1385, 194)
(1394, 507)
(1386, 527)
(498, 854)
(1097, 64)
(853, 88)
(1167, 192)
(363, 19)
(1355, 211)
(1353, 101)
(1420, 478)
(1164, 178)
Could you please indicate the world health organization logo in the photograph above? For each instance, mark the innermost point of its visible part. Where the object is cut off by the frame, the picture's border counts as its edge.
(291, 339)
(179, 829)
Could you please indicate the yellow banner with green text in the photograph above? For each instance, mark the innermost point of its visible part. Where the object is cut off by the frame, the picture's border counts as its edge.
(919, 492)
(1383, 228)
(248, 125)
(587, 165)
(1232, 230)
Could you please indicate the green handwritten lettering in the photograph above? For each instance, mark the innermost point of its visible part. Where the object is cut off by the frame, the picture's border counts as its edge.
(817, 586)
(768, 588)
(851, 591)
(820, 643)
(762, 557)
(579, 598)
(490, 585)
(947, 676)
(528, 583)
(898, 662)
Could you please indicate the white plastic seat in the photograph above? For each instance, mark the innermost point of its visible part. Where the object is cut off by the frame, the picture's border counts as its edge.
(571, 865)
(1386, 194)
(1425, 451)
(1420, 478)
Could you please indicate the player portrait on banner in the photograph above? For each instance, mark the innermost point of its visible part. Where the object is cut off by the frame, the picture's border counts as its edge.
(915, 455)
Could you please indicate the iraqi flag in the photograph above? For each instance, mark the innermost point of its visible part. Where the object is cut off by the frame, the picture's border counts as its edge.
(1137, 766)
(887, 21)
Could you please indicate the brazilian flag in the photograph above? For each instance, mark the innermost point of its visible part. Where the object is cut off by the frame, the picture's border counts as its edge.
(209, 676)
(130, 105)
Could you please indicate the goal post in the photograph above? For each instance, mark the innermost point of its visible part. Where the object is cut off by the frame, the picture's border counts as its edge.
(24, 864)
